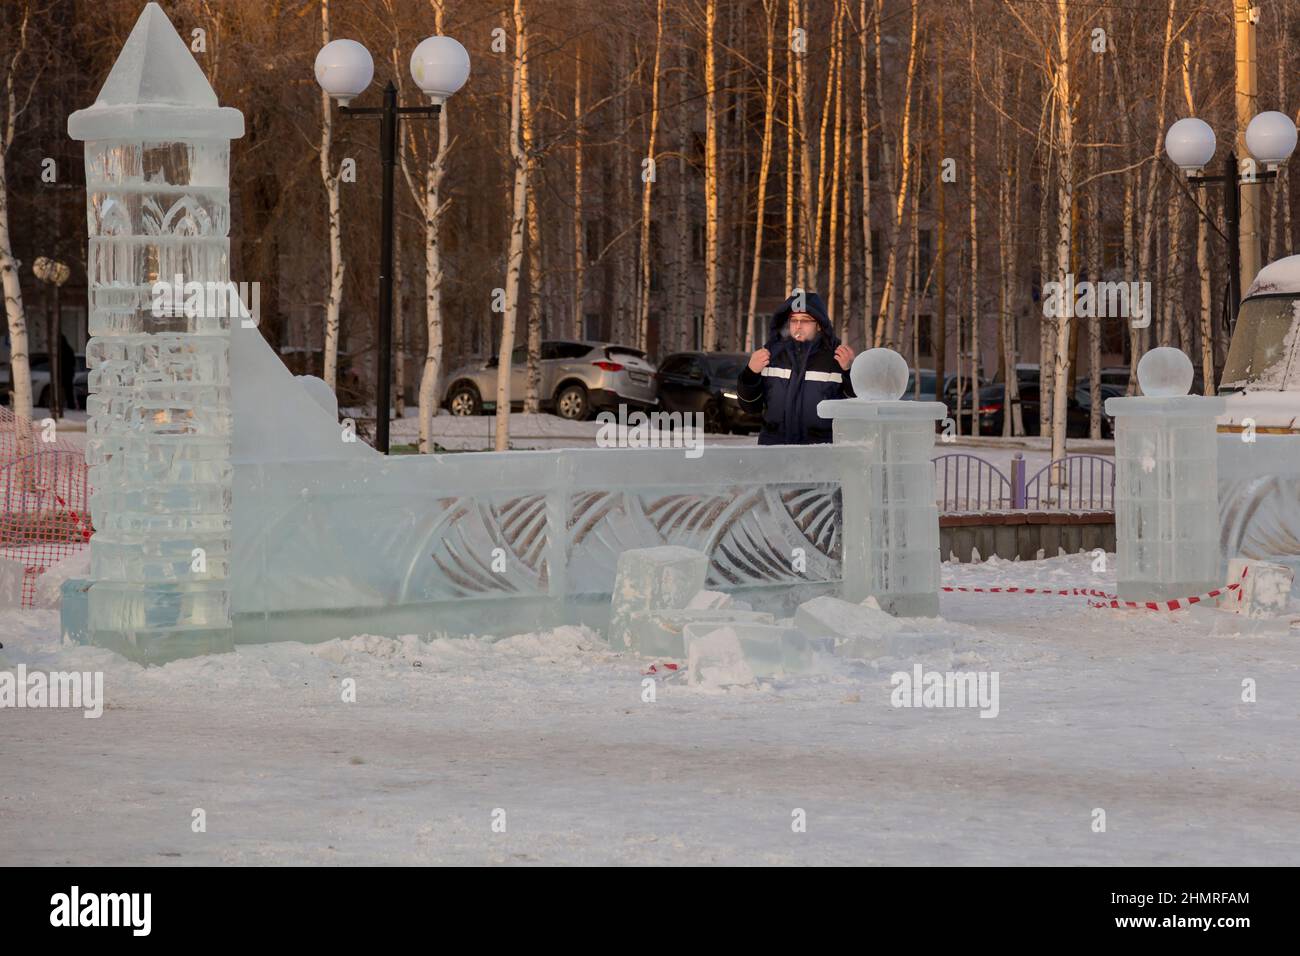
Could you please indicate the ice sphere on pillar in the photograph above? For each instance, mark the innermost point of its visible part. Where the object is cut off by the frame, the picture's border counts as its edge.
(652, 578)
(1166, 487)
(891, 520)
(1165, 372)
(879, 375)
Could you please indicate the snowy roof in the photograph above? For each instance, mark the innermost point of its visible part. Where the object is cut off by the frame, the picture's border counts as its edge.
(1280, 277)
(157, 91)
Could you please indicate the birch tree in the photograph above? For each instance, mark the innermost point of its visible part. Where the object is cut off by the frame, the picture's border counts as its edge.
(647, 183)
(884, 318)
(14, 106)
(434, 207)
(533, 374)
(710, 178)
(764, 165)
(515, 256)
(330, 178)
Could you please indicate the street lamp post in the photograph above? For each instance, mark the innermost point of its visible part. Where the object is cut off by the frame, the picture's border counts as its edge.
(54, 274)
(344, 68)
(1190, 144)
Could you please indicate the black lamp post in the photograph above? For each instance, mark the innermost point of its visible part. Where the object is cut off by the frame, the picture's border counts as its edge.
(344, 69)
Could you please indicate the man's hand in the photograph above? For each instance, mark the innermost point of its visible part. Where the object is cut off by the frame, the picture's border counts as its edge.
(843, 355)
(760, 360)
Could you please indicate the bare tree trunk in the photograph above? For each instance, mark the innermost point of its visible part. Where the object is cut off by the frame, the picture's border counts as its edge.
(864, 120)
(765, 164)
(837, 140)
(1005, 194)
(1148, 206)
(1064, 199)
(516, 254)
(331, 181)
(647, 181)
(805, 276)
(579, 239)
(884, 319)
(683, 316)
(1047, 330)
(430, 385)
(941, 253)
(791, 180)
(973, 203)
(711, 180)
(1095, 264)
(20, 376)
(832, 81)
(533, 377)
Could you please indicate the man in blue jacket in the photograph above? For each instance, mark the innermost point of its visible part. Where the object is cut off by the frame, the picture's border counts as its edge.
(802, 363)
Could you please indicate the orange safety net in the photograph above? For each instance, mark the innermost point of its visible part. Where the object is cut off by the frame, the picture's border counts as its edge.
(44, 498)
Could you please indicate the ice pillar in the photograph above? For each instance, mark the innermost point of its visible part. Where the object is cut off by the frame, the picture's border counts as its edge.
(1166, 484)
(891, 519)
(158, 444)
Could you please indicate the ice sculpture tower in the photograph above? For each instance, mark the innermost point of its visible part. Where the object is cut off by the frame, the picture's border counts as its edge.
(159, 430)
(894, 557)
(1166, 484)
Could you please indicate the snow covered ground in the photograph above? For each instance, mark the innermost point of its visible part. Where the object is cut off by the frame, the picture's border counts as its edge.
(1135, 713)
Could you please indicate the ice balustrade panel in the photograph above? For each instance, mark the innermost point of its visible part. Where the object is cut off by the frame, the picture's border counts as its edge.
(320, 535)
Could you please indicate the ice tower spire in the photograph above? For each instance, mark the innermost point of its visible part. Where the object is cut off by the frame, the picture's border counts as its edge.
(155, 86)
(158, 204)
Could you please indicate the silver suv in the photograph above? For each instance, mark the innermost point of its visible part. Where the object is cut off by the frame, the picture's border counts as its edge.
(578, 379)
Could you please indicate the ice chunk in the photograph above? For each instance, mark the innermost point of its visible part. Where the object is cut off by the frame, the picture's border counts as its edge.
(49, 586)
(647, 579)
(767, 650)
(864, 631)
(1265, 588)
(714, 659)
(710, 600)
(12, 574)
(658, 632)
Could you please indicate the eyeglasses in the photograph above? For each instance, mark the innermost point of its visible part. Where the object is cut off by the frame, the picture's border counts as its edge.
(798, 321)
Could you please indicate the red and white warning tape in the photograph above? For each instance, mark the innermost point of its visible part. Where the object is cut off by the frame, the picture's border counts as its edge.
(1074, 592)
(1112, 600)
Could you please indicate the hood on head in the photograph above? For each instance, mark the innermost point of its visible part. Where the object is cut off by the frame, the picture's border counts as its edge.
(812, 305)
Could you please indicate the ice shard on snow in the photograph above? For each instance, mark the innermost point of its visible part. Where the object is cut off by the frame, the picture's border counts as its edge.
(157, 150)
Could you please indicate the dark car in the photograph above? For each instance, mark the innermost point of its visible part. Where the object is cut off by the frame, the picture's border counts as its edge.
(706, 382)
(991, 404)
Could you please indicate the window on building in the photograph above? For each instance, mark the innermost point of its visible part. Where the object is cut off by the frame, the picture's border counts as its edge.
(924, 257)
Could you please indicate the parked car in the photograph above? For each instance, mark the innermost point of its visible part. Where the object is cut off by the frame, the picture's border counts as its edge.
(706, 382)
(40, 368)
(578, 379)
(991, 404)
(928, 378)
